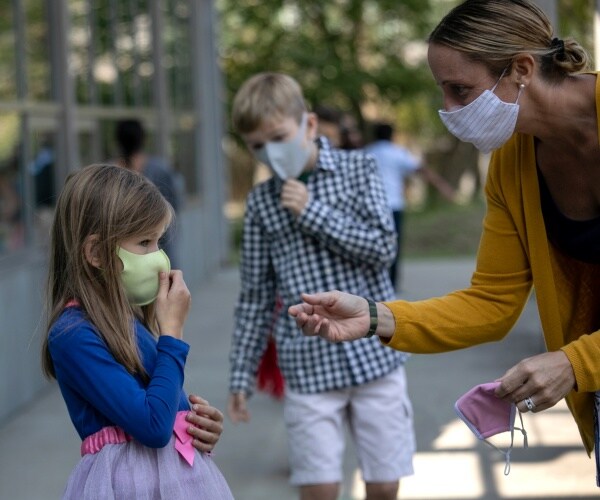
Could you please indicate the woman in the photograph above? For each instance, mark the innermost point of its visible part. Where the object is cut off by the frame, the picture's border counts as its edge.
(511, 87)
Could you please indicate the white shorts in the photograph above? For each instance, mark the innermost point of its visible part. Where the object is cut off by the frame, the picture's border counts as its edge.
(379, 416)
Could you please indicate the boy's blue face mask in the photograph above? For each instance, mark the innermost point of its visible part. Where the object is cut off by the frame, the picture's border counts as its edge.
(487, 415)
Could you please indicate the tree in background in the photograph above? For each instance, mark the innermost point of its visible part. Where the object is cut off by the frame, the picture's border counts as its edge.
(351, 54)
(340, 51)
(575, 18)
(366, 57)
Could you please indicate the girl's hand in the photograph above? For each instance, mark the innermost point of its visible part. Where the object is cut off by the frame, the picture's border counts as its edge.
(207, 424)
(172, 304)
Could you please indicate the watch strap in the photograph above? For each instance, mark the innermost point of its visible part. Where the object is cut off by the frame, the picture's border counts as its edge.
(373, 318)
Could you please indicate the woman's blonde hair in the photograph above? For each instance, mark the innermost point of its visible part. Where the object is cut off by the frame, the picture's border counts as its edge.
(111, 204)
(493, 32)
(266, 96)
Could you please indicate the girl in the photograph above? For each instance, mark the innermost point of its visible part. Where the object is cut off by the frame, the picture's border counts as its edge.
(114, 344)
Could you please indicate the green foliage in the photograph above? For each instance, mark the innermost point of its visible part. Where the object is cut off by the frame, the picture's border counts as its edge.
(363, 56)
(349, 53)
(443, 230)
(343, 52)
(575, 20)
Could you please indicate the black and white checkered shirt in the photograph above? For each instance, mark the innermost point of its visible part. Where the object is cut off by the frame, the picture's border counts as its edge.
(344, 239)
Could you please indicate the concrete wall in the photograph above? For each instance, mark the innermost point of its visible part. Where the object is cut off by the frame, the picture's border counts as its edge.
(22, 282)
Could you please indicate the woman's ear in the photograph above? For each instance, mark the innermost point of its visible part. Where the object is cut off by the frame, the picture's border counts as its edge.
(523, 65)
(90, 250)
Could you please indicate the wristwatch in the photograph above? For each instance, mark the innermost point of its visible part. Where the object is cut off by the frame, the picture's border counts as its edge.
(373, 317)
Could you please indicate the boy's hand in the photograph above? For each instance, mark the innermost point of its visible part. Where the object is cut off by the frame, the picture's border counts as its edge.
(294, 196)
(207, 424)
(236, 408)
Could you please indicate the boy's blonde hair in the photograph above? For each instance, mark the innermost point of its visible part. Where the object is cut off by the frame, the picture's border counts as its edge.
(266, 96)
(113, 204)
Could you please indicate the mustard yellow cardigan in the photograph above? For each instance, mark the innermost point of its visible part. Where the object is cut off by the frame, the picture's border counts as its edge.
(514, 256)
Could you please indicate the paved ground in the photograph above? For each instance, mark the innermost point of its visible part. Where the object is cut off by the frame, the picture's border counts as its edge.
(38, 447)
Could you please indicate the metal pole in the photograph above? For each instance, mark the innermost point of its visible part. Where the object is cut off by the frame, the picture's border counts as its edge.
(63, 91)
(597, 35)
(161, 102)
(24, 153)
(91, 53)
(208, 107)
(135, 84)
(113, 14)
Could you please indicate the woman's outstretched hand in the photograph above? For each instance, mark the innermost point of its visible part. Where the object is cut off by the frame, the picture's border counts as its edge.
(336, 316)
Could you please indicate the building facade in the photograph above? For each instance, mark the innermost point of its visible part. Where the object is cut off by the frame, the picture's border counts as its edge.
(69, 69)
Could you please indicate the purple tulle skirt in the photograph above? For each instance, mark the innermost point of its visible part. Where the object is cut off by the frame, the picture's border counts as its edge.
(129, 470)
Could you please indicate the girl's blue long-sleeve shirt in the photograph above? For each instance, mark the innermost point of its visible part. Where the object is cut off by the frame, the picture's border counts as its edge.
(99, 391)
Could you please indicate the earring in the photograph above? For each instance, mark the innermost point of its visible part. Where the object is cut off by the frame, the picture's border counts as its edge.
(521, 86)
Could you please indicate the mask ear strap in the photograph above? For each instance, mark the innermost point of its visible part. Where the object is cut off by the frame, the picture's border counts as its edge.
(512, 439)
(503, 71)
(523, 431)
(521, 88)
(505, 453)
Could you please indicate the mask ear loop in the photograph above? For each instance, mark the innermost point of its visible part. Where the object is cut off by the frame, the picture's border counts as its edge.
(512, 435)
(521, 89)
(507, 453)
(501, 75)
(521, 85)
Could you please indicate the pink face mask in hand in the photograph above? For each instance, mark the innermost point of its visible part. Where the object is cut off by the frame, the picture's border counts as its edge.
(487, 415)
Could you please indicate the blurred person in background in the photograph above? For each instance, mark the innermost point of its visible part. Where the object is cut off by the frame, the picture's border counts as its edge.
(329, 124)
(130, 136)
(396, 164)
(351, 135)
(12, 232)
(42, 169)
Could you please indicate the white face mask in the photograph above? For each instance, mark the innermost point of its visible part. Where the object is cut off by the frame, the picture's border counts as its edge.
(487, 122)
(287, 159)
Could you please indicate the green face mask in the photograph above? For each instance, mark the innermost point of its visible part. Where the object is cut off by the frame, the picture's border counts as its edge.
(140, 275)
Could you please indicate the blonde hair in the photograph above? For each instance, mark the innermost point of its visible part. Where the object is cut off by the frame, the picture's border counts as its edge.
(266, 96)
(493, 32)
(112, 203)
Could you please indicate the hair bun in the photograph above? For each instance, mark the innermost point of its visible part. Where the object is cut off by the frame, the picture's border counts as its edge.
(558, 46)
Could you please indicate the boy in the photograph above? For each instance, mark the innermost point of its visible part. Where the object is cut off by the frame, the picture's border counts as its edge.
(320, 222)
